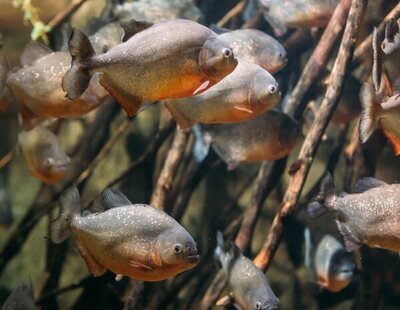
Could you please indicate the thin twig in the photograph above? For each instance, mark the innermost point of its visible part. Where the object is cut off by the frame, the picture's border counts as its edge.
(122, 128)
(174, 156)
(61, 16)
(319, 57)
(307, 153)
(6, 159)
(236, 10)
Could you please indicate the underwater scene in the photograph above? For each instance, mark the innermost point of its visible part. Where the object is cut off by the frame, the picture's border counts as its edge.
(199, 154)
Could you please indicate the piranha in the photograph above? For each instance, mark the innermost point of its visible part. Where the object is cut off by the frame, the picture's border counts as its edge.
(106, 37)
(158, 10)
(384, 115)
(134, 240)
(333, 266)
(270, 136)
(391, 41)
(248, 283)
(152, 63)
(37, 87)
(257, 47)
(245, 93)
(20, 299)
(368, 216)
(45, 157)
(6, 216)
(283, 14)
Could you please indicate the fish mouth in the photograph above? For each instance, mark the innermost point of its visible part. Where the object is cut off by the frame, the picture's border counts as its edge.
(193, 259)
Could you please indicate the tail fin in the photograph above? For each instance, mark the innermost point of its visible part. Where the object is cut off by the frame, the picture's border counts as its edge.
(369, 113)
(69, 208)
(322, 202)
(77, 79)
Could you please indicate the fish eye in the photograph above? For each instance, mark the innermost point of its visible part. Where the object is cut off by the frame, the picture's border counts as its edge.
(227, 52)
(272, 89)
(48, 162)
(177, 248)
(258, 305)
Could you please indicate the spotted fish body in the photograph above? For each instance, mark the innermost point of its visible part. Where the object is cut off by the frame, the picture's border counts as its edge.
(44, 156)
(138, 240)
(37, 87)
(153, 63)
(269, 136)
(158, 10)
(257, 47)
(248, 283)
(244, 94)
(283, 14)
(370, 216)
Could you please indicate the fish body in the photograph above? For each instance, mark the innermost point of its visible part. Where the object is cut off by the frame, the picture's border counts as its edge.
(20, 299)
(369, 216)
(257, 47)
(37, 87)
(380, 112)
(283, 14)
(44, 156)
(245, 93)
(138, 240)
(334, 267)
(158, 10)
(270, 136)
(152, 64)
(248, 283)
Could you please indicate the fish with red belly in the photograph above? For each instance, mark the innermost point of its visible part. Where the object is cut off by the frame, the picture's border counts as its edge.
(135, 240)
(171, 59)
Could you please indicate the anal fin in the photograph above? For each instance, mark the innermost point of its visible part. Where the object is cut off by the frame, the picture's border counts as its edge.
(394, 141)
(130, 103)
(179, 118)
(92, 265)
(29, 118)
(351, 243)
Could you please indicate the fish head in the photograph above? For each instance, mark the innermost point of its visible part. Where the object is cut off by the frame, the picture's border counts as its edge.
(274, 60)
(341, 271)
(177, 247)
(264, 92)
(216, 59)
(55, 166)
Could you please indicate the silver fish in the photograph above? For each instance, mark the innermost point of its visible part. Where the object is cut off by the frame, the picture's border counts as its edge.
(369, 216)
(257, 47)
(44, 156)
(249, 285)
(158, 10)
(270, 136)
(135, 240)
(244, 94)
(334, 267)
(283, 14)
(152, 63)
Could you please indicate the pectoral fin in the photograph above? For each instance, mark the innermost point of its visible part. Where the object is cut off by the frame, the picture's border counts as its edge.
(201, 88)
(351, 243)
(244, 109)
(139, 265)
(92, 265)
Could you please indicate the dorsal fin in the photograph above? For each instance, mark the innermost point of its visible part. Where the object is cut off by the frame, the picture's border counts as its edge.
(218, 30)
(235, 251)
(110, 198)
(33, 52)
(367, 183)
(134, 26)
